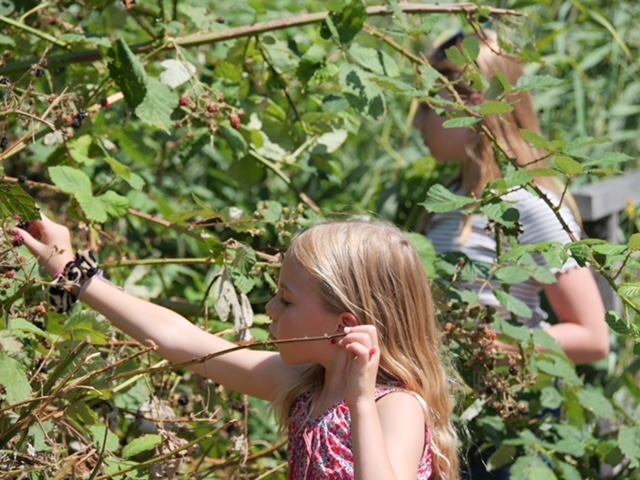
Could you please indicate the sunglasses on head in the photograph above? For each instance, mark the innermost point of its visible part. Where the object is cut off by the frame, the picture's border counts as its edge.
(441, 50)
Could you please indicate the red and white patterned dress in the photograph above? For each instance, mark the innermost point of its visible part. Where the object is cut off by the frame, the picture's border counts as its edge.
(320, 448)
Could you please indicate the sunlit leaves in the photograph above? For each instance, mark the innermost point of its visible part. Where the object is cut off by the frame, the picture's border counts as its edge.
(440, 199)
(15, 201)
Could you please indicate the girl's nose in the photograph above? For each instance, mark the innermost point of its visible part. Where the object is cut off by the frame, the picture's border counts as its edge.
(271, 308)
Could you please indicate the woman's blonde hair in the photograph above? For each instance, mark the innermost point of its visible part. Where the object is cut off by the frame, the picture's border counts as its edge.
(482, 166)
(372, 271)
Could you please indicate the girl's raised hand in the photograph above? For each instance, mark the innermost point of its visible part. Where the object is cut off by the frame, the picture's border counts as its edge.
(49, 242)
(362, 368)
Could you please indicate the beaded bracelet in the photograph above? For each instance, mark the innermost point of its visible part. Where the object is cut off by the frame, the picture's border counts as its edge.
(69, 284)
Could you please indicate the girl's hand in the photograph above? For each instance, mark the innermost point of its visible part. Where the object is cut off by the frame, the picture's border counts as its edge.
(362, 367)
(49, 242)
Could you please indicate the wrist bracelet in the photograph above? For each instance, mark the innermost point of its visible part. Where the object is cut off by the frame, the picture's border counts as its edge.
(73, 279)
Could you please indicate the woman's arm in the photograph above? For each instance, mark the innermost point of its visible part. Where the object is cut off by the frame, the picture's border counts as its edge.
(582, 331)
(256, 373)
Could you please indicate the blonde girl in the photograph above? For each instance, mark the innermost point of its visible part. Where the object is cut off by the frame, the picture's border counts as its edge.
(369, 401)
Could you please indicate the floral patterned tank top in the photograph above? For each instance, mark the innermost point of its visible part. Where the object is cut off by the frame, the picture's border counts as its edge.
(320, 448)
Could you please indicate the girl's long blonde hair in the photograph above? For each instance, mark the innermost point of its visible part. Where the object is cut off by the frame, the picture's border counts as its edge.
(373, 271)
(482, 166)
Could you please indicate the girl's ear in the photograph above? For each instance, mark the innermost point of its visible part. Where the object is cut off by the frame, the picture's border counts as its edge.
(348, 320)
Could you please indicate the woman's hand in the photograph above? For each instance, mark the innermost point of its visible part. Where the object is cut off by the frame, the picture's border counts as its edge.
(49, 242)
(362, 367)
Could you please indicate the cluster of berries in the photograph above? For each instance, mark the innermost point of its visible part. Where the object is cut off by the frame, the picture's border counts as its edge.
(79, 118)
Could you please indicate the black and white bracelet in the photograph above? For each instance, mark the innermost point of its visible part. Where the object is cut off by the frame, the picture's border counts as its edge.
(69, 284)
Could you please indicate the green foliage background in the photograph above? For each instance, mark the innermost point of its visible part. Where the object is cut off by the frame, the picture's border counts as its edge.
(187, 141)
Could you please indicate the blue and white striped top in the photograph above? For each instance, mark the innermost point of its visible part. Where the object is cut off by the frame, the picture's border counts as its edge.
(539, 223)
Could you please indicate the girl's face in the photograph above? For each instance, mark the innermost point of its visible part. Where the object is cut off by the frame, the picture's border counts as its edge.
(297, 311)
(445, 144)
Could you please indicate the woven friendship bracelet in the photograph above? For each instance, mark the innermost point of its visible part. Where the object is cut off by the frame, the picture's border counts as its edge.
(72, 280)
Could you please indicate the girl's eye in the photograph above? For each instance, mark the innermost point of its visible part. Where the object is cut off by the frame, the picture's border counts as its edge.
(284, 302)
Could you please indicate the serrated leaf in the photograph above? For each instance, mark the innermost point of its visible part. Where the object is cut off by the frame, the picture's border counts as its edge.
(14, 380)
(629, 443)
(531, 467)
(176, 72)
(634, 242)
(471, 47)
(70, 180)
(330, 142)
(363, 95)
(513, 304)
(141, 444)
(348, 23)
(533, 82)
(440, 200)
(128, 73)
(493, 108)
(596, 403)
(15, 201)
(534, 139)
(225, 297)
(158, 105)
(629, 290)
(560, 368)
(517, 332)
(87, 323)
(374, 60)
(568, 165)
(113, 204)
(511, 274)
(92, 208)
(617, 324)
(461, 122)
(79, 149)
(124, 172)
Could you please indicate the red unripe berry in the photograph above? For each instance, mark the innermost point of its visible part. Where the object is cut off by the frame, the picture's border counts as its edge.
(213, 108)
(185, 102)
(235, 121)
(11, 275)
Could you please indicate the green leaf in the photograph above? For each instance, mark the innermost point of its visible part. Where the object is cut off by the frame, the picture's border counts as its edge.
(551, 398)
(568, 165)
(128, 73)
(616, 323)
(79, 149)
(531, 467)
(546, 342)
(440, 200)
(92, 207)
(113, 204)
(596, 403)
(558, 367)
(98, 432)
(176, 72)
(70, 180)
(374, 60)
(15, 201)
(124, 172)
(14, 380)
(140, 445)
(349, 21)
(235, 139)
(461, 122)
(533, 82)
(516, 332)
(158, 105)
(512, 274)
(493, 108)
(425, 249)
(629, 443)
(330, 142)
(513, 304)
(362, 94)
(634, 242)
(471, 47)
(502, 212)
(534, 139)
(88, 323)
(629, 290)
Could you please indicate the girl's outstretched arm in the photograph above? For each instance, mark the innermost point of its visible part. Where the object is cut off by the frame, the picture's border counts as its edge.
(256, 373)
